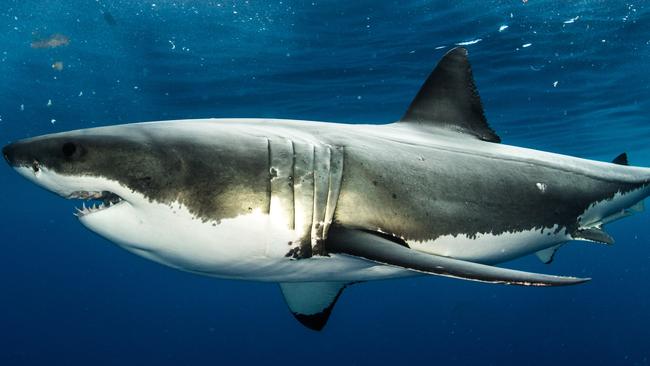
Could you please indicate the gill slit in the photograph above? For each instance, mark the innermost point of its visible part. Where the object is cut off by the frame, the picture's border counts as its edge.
(268, 180)
(292, 181)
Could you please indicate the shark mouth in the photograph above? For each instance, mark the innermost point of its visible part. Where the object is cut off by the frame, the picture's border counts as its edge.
(97, 201)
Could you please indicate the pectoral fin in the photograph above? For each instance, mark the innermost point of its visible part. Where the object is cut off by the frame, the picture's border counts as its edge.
(381, 250)
(311, 303)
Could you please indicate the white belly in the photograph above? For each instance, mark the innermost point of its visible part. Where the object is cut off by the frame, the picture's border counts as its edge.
(249, 247)
(489, 248)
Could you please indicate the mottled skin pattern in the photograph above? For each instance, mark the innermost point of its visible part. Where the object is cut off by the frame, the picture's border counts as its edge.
(421, 193)
(214, 180)
(221, 175)
(413, 190)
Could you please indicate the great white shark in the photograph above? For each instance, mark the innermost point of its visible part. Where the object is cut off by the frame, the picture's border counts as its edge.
(317, 206)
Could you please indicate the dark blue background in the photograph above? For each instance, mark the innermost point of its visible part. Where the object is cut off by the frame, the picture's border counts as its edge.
(70, 297)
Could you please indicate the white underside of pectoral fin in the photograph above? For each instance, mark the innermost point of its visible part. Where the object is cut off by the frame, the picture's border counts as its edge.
(594, 234)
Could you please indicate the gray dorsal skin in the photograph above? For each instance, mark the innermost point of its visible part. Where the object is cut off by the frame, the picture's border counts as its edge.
(621, 159)
(378, 249)
(449, 99)
(311, 303)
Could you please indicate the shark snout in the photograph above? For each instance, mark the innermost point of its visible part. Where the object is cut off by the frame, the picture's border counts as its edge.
(8, 153)
(22, 153)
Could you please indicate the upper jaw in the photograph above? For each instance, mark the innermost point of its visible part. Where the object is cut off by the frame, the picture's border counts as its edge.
(106, 200)
(101, 193)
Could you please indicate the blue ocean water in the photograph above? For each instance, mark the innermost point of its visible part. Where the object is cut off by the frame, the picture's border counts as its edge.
(569, 77)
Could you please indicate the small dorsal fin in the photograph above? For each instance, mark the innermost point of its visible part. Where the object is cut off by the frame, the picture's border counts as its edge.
(449, 99)
(621, 159)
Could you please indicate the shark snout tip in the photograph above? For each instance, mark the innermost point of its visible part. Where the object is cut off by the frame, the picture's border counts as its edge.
(7, 153)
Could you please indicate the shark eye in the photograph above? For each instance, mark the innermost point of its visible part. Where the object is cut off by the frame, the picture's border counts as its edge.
(68, 149)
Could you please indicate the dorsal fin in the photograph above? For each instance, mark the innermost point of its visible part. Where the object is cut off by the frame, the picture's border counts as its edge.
(449, 99)
(621, 159)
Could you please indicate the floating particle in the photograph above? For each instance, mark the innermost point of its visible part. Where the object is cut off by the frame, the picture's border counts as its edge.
(467, 43)
(441, 47)
(52, 121)
(49, 102)
(22, 107)
(58, 66)
(526, 45)
(81, 93)
(53, 41)
(572, 20)
(502, 28)
(555, 84)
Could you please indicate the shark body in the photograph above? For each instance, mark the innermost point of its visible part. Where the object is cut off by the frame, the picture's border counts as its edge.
(316, 206)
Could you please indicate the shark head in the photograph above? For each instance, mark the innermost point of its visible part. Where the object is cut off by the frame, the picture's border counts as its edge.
(89, 167)
(158, 192)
